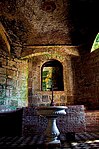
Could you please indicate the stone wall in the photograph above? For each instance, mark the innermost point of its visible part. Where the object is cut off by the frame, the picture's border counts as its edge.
(77, 120)
(13, 81)
(92, 121)
(36, 59)
(87, 80)
(20, 80)
(73, 121)
(80, 73)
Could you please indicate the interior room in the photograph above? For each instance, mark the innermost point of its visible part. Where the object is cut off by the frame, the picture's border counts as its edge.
(49, 62)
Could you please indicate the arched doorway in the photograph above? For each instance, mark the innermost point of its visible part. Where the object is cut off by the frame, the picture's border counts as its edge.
(52, 75)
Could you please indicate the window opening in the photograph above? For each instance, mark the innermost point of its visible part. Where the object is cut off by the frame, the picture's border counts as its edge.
(52, 74)
(95, 43)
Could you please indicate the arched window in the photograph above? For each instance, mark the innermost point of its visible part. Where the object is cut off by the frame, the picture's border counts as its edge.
(52, 75)
(95, 43)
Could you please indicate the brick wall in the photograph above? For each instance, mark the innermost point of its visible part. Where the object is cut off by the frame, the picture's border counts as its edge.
(87, 80)
(64, 55)
(80, 73)
(20, 81)
(13, 81)
(92, 121)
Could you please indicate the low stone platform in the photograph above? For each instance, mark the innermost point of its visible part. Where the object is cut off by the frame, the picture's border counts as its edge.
(73, 121)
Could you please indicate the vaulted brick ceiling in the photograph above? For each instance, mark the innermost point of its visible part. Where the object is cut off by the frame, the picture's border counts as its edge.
(50, 22)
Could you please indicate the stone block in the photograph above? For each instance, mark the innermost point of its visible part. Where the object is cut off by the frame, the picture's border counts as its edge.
(2, 70)
(2, 80)
(45, 98)
(73, 121)
(14, 103)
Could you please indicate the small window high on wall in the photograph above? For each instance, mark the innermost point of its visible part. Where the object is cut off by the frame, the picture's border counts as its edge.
(52, 75)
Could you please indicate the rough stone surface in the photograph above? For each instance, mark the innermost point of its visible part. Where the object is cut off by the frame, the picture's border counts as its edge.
(20, 81)
(73, 121)
(87, 80)
(76, 120)
(37, 22)
(92, 120)
(38, 31)
(13, 81)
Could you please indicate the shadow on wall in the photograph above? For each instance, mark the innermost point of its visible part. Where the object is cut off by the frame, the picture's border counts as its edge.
(89, 103)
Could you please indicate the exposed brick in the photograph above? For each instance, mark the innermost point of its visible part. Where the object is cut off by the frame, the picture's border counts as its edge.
(92, 120)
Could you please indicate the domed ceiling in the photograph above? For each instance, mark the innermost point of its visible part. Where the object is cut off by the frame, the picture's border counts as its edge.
(49, 22)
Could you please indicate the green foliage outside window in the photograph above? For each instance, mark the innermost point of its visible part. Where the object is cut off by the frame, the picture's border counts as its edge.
(52, 75)
(96, 43)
